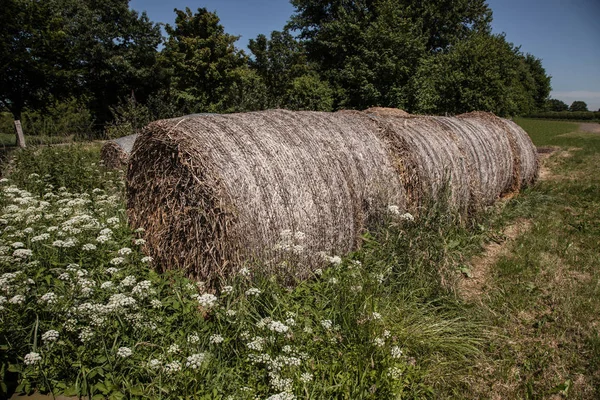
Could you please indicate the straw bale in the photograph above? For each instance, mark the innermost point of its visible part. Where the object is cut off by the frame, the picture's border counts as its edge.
(115, 153)
(215, 192)
(525, 162)
(429, 160)
(387, 112)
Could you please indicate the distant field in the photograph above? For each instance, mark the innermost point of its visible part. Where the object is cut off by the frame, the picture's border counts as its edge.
(543, 132)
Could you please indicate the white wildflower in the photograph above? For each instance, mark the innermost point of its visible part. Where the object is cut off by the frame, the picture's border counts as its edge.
(253, 292)
(124, 251)
(86, 334)
(174, 348)
(146, 260)
(256, 344)
(139, 242)
(107, 285)
(193, 338)
(32, 358)
(333, 280)
(306, 377)
(379, 342)
(18, 299)
(124, 352)
(105, 232)
(216, 339)
(227, 289)
(112, 270)
(17, 245)
(279, 327)
(88, 247)
(230, 313)
(195, 360)
(22, 253)
(245, 271)
(376, 315)
(102, 239)
(113, 221)
(155, 303)
(39, 238)
(172, 367)
(50, 336)
(335, 260)
(208, 300)
(396, 352)
(326, 323)
(117, 260)
(282, 396)
(48, 298)
(154, 363)
(394, 373)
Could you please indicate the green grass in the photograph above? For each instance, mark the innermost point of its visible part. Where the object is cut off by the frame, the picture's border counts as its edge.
(8, 140)
(543, 297)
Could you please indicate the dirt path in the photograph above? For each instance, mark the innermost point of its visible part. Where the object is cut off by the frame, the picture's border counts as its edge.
(592, 127)
(473, 287)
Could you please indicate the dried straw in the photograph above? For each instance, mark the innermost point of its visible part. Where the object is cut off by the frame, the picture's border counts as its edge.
(115, 153)
(525, 162)
(216, 191)
(387, 112)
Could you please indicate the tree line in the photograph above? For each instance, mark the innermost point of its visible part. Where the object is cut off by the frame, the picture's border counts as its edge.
(113, 63)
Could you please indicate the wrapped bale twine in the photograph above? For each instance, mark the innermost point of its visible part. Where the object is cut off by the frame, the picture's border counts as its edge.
(525, 160)
(215, 192)
(115, 153)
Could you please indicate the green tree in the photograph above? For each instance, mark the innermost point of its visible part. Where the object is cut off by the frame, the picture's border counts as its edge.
(541, 81)
(35, 54)
(366, 50)
(117, 54)
(578, 106)
(202, 61)
(278, 61)
(484, 72)
(96, 50)
(309, 92)
(556, 105)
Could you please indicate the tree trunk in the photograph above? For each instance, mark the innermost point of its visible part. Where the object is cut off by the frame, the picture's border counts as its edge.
(20, 136)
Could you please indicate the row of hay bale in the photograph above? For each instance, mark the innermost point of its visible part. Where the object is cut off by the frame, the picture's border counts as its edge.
(215, 192)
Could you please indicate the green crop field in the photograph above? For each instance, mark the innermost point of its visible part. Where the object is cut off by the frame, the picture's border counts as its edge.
(505, 306)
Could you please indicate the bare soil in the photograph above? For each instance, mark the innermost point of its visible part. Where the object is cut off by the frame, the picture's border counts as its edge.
(473, 288)
(592, 127)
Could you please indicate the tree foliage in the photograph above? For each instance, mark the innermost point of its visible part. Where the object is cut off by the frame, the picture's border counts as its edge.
(556, 105)
(578, 106)
(431, 56)
(201, 60)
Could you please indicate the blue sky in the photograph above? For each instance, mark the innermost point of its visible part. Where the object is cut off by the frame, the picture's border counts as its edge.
(564, 34)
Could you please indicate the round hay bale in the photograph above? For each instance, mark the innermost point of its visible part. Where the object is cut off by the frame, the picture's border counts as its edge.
(387, 112)
(431, 164)
(525, 161)
(215, 192)
(115, 153)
